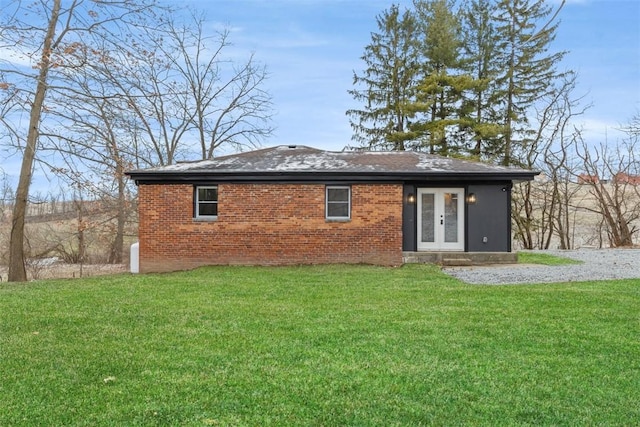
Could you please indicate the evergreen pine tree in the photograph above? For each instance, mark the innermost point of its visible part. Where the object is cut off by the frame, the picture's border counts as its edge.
(482, 126)
(442, 91)
(525, 30)
(387, 84)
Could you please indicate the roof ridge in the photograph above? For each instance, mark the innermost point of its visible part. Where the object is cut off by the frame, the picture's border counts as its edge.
(296, 161)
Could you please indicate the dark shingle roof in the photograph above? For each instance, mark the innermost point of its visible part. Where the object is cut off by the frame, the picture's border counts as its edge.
(297, 162)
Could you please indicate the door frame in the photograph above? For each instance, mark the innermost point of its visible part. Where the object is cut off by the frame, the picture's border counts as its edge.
(439, 244)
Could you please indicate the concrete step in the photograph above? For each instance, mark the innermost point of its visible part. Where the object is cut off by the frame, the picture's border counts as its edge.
(456, 262)
(460, 258)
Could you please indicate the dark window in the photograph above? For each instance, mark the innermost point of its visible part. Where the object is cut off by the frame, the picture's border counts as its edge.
(338, 202)
(206, 202)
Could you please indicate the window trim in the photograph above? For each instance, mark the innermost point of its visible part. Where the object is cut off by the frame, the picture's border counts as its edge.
(196, 202)
(327, 202)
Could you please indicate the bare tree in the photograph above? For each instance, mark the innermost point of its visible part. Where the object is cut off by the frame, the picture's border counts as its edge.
(615, 186)
(119, 85)
(92, 151)
(81, 227)
(560, 200)
(45, 34)
(146, 102)
(230, 106)
(540, 208)
(183, 96)
(17, 271)
(633, 127)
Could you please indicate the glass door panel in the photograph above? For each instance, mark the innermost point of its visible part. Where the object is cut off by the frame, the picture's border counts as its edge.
(428, 222)
(450, 217)
(440, 219)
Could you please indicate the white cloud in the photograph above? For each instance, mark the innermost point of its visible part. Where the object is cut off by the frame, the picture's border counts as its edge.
(15, 57)
(597, 131)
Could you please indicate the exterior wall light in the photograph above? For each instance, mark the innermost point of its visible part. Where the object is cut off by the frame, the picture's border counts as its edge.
(411, 198)
(471, 198)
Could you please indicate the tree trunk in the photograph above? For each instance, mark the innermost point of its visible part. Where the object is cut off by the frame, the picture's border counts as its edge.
(17, 271)
(115, 255)
(510, 98)
(81, 227)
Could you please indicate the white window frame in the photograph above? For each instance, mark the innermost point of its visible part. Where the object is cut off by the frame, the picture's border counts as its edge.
(327, 202)
(198, 202)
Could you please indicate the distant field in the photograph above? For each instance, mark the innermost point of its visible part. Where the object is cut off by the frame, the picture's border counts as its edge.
(586, 226)
(324, 345)
(52, 231)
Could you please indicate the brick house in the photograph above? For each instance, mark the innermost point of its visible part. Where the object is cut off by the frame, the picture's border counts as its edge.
(625, 178)
(300, 205)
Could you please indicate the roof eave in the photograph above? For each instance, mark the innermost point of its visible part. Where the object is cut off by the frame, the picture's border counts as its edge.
(145, 177)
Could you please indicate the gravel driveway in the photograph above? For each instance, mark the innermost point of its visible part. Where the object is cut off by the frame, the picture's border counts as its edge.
(598, 264)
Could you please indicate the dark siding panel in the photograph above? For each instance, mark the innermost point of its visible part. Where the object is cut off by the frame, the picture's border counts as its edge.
(408, 219)
(488, 220)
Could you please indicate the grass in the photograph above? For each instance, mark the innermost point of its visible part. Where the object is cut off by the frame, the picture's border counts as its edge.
(525, 257)
(323, 345)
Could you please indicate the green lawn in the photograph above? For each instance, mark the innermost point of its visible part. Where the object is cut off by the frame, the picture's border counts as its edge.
(526, 257)
(325, 345)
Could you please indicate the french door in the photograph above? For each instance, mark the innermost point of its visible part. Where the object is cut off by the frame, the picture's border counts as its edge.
(440, 219)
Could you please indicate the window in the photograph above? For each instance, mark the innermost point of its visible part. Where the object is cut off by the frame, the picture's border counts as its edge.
(338, 202)
(206, 202)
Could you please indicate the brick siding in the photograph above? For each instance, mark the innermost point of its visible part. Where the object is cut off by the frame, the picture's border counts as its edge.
(268, 224)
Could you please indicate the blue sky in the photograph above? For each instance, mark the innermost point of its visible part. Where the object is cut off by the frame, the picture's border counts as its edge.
(312, 47)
